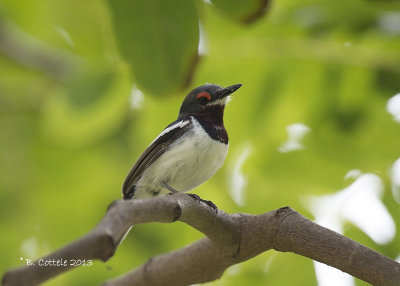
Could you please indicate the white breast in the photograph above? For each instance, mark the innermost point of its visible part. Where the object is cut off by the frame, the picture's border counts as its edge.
(187, 163)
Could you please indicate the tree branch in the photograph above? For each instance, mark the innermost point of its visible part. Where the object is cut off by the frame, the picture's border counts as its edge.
(33, 53)
(230, 239)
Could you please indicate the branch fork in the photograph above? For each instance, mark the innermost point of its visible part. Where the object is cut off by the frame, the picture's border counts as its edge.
(229, 239)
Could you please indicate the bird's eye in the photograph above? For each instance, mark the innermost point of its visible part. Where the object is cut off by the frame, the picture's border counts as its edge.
(203, 97)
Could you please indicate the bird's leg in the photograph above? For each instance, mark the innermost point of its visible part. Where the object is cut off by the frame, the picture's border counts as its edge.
(196, 197)
(169, 188)
(209, 203)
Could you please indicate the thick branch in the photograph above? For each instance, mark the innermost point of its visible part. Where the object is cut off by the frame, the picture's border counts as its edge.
(230, 239)
(102, 241)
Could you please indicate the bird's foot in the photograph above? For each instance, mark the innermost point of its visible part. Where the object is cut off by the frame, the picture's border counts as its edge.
(209, 203)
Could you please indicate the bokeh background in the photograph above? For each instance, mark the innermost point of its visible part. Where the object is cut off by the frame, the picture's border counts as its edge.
(85, 86)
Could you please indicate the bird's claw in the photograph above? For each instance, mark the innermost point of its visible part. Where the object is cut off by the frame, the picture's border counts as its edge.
(209, 203)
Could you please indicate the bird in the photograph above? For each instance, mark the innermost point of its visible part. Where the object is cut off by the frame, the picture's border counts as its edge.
(188, 151)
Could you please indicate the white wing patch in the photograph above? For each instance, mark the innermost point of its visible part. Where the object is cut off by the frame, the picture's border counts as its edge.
(179, 124)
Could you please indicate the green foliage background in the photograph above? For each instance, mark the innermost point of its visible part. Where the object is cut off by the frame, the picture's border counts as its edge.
(68, 134)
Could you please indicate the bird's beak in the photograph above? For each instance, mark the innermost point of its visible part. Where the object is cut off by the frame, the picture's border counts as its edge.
(228, 90)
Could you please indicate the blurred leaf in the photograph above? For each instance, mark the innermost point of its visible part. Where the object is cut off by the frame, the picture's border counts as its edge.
(158, 39)
(242, 11)
(83, 111)
(331, 66)
(386, 4)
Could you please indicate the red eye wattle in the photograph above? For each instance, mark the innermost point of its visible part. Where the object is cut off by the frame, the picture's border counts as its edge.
(204, 94)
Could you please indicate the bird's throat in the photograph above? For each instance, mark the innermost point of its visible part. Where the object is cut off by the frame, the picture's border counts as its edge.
(211, 119)
(213, 114)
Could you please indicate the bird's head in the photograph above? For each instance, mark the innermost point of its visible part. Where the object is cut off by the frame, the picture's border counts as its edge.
(206, 98)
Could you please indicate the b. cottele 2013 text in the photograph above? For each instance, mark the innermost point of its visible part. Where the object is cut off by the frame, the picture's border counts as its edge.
(60, 262)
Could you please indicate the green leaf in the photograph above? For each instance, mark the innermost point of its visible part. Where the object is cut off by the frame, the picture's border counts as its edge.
(82, 112)
(242, 11)
(158, 39)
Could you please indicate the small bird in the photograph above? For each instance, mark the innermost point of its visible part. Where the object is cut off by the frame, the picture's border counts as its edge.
(188, 151)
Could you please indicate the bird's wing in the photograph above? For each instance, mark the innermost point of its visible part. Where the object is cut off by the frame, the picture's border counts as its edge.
(171, 133)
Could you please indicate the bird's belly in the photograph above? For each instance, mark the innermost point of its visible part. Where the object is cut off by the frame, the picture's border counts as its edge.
(187, 163)
(206, 158)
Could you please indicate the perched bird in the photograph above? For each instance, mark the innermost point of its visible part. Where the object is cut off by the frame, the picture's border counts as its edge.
(189, 151)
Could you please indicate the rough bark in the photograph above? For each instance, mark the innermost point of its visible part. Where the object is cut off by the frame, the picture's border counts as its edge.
(230, 239)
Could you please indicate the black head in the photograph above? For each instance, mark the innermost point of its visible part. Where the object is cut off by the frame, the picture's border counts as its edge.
(203, 97)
